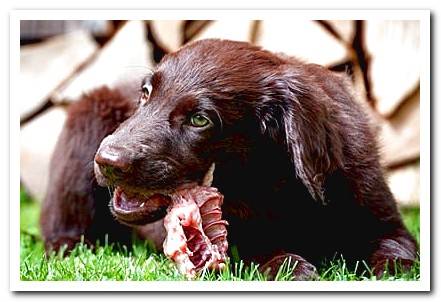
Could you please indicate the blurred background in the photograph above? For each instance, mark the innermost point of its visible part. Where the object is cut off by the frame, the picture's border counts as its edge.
(59, 60)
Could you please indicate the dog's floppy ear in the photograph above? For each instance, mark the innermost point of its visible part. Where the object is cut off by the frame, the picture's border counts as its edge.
(299, 115)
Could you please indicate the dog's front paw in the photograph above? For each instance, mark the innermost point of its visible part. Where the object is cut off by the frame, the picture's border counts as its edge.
(391, 255)
(303, 270)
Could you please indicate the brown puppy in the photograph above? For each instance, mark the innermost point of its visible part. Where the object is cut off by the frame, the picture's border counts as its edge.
(295, 159)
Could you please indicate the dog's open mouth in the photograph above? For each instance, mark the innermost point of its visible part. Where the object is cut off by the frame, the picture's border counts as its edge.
(140, 208)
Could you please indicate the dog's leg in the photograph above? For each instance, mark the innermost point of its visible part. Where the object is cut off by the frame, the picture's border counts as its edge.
(392, 252)
(74, 205)
(303, 270)
(392, 244)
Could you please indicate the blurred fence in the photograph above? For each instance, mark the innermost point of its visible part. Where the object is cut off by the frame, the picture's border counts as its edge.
(62, 59)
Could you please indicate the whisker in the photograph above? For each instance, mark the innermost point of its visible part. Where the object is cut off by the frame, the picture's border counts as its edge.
(110, 191)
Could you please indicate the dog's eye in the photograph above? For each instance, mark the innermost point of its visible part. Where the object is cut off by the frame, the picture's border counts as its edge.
(146, 90)
(199, 120)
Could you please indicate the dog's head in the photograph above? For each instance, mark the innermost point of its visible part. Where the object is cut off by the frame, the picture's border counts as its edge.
(207, 103)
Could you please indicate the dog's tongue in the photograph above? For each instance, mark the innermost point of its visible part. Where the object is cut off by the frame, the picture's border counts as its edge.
(132, 201)
(137, 209)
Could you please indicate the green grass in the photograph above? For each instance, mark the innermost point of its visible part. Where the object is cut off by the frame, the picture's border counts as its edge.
(142, 263)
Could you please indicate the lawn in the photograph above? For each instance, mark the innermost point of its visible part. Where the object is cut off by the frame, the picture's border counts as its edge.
(108, 262)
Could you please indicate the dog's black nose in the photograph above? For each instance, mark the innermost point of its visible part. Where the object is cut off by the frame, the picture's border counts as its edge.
(113, 162)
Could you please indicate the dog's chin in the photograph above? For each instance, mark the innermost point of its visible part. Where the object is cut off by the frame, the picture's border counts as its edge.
(143, 206)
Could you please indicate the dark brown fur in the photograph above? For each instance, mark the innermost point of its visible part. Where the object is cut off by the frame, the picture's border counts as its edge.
(74, 204)
(295, 158)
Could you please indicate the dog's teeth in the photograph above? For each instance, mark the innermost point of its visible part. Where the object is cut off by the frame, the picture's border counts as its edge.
(208, 178)
(142, 205)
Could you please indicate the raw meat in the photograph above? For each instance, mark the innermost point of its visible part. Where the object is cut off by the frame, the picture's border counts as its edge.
(196, 234)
